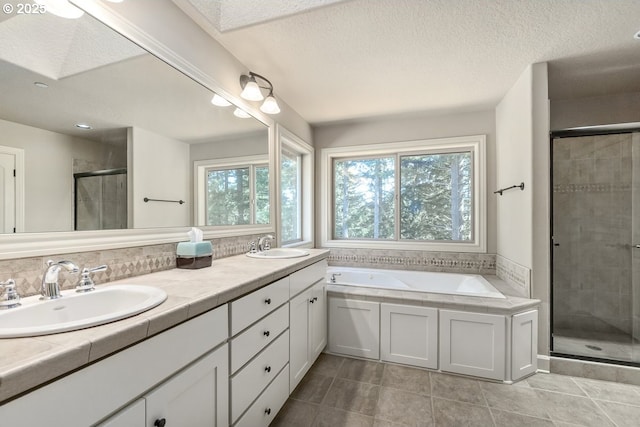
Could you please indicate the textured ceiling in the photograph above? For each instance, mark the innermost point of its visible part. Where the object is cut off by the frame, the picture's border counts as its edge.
(364, 58)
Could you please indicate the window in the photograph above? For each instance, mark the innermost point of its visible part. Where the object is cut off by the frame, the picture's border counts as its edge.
(406, 195)
(290, 193)
(236, 191)
(296, 226)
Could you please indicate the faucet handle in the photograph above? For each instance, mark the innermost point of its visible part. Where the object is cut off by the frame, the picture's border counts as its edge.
(253, 247)
(9, 297)
(86, 283)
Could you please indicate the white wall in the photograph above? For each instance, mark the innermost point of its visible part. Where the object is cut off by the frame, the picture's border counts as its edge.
(514, 145)
(522, 155)
(252, 144)
(415, 127)
(593, 111)
(49, 172)
(160, 170)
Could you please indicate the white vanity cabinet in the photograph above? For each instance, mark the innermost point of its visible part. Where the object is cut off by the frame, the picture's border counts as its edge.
(354, 327)
(131, 416)
(259, 353)
(409, 335)
(308, 324)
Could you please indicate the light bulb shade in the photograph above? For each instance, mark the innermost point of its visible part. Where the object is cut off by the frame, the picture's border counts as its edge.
(241, 113)
(219, 101)
(251, 91)
(61, 8)
(270, 105)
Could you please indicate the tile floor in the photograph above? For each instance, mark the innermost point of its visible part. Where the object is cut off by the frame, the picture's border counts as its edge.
(345, 392)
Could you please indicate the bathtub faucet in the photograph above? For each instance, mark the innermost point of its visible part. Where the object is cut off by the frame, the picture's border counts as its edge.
(333, 277)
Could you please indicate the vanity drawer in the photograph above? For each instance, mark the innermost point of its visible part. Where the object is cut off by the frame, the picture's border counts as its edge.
(249, 382)
(250, 342)
(266, 407)
(302, 279)
(257, 304)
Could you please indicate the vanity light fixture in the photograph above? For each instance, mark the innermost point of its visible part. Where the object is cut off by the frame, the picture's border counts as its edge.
(251, 91)
(83, 126)
(219, 101)
(61, 8)
(241, 113)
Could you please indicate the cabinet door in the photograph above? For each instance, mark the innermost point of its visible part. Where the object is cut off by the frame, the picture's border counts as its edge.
(318, 322)
(131, 416)
(197, 396)
(299, 344)
(266, 406)
(524, 344)
(473, 344)
(354, 327)
(409, 335)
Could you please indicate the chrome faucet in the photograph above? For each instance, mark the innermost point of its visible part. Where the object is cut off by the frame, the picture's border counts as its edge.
(333, 277)
(50, 287)
(264, 243)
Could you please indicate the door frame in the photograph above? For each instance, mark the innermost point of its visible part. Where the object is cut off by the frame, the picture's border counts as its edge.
(18, 154)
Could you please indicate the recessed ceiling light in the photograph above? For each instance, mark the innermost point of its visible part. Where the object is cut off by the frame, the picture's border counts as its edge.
(41, 85)
(637, 35)
(83, 126)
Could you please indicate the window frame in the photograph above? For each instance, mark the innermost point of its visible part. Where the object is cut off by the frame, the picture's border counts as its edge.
(201, 168)
(476, 144)
(287, 140)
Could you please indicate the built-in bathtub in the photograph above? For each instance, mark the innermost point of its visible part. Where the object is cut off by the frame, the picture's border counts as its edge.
(416, 281)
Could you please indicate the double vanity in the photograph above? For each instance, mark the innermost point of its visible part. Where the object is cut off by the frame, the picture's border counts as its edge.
(227, 347)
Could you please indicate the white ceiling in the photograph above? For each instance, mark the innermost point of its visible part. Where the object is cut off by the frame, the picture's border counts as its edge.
(364, 58)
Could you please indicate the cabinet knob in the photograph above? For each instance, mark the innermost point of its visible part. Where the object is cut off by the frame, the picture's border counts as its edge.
(267, 301)
(311, 301)
(315, 299)
(267, 369)
(266, 333)
(160, 422)
(267, 411)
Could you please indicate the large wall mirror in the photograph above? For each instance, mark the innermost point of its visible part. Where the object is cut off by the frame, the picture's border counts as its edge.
(103, 135)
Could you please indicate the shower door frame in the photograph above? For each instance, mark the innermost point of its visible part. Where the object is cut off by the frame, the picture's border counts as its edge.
(572, 133)
(79, 175)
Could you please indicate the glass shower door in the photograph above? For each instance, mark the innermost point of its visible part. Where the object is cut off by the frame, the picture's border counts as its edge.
(594, 307)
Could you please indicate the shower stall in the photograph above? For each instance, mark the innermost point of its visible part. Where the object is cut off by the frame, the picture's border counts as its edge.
(100, 200)
(596, 244)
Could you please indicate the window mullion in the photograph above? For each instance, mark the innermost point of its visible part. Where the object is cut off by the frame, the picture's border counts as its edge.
(397, 197)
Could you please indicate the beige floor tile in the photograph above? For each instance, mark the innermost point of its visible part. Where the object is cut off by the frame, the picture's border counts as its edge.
(327, 364)
(456, 388)
(622, 414)
(606, 390)
(312, 388)
(460, 414)
(408, 379)
(362, 370)
(332, 417)
(352, 396)
(295, 413)
(521, 400)
(403, 407)
(509, 419)
(573, 409)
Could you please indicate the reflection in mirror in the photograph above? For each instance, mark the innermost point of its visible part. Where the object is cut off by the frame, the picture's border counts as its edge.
(92, 125)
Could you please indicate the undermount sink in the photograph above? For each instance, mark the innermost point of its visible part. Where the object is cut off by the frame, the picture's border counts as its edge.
(78, 310)
(279, 253)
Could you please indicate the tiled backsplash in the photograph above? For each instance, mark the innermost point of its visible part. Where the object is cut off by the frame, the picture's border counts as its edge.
(122, 263)
(414, 260)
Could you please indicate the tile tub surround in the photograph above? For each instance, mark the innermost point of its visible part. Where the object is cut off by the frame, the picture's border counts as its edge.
(449, 262)
(26, 363)
(121, 263)
(352, 392)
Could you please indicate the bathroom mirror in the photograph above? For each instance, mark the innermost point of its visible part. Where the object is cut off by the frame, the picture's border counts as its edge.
(103, 135)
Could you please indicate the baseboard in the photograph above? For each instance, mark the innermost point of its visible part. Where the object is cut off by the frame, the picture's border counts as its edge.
(544, 364)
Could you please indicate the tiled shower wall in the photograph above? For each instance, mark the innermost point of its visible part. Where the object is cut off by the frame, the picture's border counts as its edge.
(122, 263)
(592, 204)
